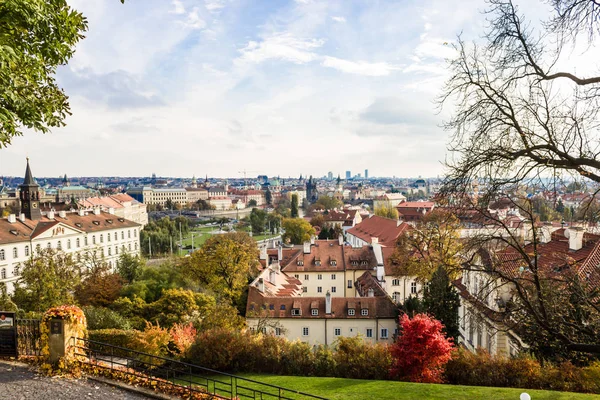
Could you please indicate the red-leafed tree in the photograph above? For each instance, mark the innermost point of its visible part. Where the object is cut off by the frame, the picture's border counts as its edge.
(421, 351)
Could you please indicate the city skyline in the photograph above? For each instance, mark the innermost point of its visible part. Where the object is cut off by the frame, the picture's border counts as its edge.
(222, 86)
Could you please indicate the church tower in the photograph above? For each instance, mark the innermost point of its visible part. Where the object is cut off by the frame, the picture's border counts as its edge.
(30, 196)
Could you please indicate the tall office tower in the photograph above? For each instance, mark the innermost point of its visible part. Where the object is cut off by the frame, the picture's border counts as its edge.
(330, 175)
(366, 174)
(348, 175)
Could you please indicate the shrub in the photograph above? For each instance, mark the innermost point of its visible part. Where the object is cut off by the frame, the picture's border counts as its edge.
(182, 337)
(422, 351)
(153, 340)
(356, 358)
(114, 337)
(104, 318)
(219, 349)
(298, 359)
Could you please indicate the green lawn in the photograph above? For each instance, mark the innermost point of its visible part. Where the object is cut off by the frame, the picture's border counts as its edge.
(201, 235)
(358, 389)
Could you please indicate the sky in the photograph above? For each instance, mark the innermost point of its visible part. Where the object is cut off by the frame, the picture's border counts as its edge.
(276, 87)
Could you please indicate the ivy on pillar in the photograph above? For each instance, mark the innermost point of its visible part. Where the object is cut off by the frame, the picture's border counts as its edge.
(59, 328)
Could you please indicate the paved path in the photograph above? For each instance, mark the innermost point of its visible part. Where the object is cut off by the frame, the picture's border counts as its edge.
(17, 382)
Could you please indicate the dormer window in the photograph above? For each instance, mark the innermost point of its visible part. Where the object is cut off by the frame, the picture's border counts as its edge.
(78, 224)
(318, 263)
(364, 312)
(96, 222)
(314, 312)
(282, 307)
(333, 263)
(351, 312)
(300, 262)
(354, 262)
(296, 311)
(363, 262)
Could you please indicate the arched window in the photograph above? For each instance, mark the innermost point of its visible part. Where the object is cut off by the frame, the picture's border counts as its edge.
(68, 244)
(136, 245)
(116, 237)
(93, 239)
(16, 269)
(26, 251)
(129, 246)
(59, 245)
(123, 235)
(49, 245)
(101, 238)
(38, 248)
(129, 234)
(3, 273)
(109, 251)
(15, 252)
(2, 255)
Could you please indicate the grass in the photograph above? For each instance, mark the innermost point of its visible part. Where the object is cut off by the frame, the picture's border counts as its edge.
(358, 389)
(201, 235)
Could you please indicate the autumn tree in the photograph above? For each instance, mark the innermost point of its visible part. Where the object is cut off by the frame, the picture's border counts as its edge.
(100, 287)
(433, 243)
(47, 280)
(327, 203)
(524, 114)
(318, 220)
(129, 267)
(297, 230)
(224, 264)
(421, 351)
(386, 210)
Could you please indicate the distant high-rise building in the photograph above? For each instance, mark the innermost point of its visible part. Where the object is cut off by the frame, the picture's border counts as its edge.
(348, 174)
(366, 174)
(330, 175)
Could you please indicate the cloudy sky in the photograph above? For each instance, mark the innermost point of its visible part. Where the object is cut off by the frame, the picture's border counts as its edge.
(184, 87)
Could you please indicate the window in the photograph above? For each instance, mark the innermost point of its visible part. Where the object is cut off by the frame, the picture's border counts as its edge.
(333, 262)
(305, 331)
(300, 262)
(479, 337)
(16, 270)
(116, 237)
(116, 249)
(319, 289)
(108, 237)
(282, 307)
(2, 255)
(15, 252)
(470, 333)
(93, 239)
(296, 311)
(271, 306)
(337, 331)
(351, 311)
(129, 246)
(314, 311)
(349, 283)
(296, 276)
(489, 343)
(49, 245)
(413, 287)
(38, 248)
(3, 273)
(304, 289)
(364, 312)
(85, 241)
(396, 297)
(319, 277)
(318, 263)
(123, 235)
(277, 331)
(129, 234)
(332, 277)
(369, 332)
(396, 282)
(109, 251)
(384, 333)
(26, 251)
(59, 245)
(69, 244)
(77, 243)
(306, 277)
(333, 289)
(135, 245)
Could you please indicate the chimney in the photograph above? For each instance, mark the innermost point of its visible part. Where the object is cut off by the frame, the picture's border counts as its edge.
(312, 239)
(374, 240)
(62, 214)
(263, 252)
(81, 212)
(111, 211)
(575, 236)
(328, 303)
(370, 292)
(341, 239)
(272, 276)
(12, 218)
(279, 253)
(261, 285)
(50, 214)
(306, 247)
(22, 217)
(96, 210)
(380, 269)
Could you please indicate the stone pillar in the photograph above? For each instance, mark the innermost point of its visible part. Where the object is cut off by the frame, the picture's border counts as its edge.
(60, 328)
(60, 339)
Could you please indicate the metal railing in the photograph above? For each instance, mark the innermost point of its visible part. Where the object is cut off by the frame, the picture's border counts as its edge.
(190, 377)
(28, 337)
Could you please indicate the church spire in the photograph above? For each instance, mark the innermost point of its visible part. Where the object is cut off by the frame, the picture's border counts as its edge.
(28, 176)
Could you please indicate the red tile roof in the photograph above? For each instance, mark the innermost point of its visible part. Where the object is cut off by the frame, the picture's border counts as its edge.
(385, 229)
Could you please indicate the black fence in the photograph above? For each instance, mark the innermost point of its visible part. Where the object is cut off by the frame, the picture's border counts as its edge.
(28, 337)
(189, 377)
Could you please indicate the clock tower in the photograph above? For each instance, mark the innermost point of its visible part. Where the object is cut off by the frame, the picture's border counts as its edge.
(30, 196)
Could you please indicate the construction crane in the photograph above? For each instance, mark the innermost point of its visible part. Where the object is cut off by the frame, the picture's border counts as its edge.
(244, 172)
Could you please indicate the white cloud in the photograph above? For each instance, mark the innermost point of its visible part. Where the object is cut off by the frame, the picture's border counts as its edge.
(339, 19)
(194, 21)
(178, 7)
(359, 67)
(281, 46)
(214, 6)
